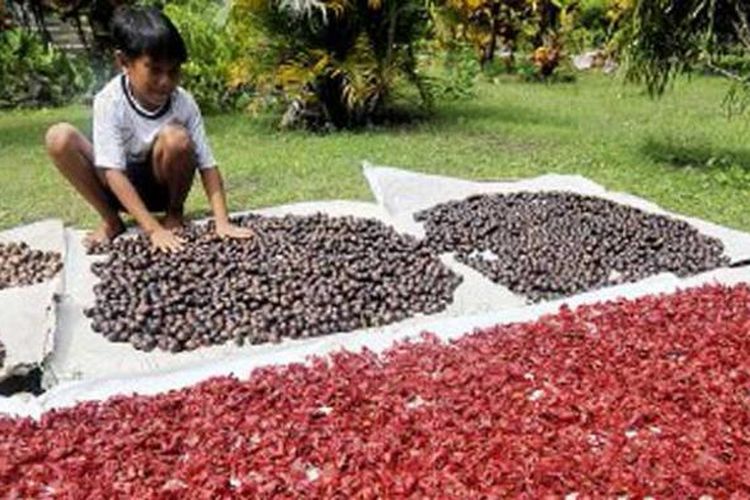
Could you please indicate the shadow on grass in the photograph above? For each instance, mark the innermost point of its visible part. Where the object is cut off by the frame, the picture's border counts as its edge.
(448, 116)
(700, 156)
(513, 114)
(401, 118)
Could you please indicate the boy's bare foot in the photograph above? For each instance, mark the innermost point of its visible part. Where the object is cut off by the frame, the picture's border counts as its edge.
(173, 221)
(105, 233)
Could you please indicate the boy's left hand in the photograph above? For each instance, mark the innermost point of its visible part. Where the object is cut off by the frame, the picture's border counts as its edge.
(229, 230)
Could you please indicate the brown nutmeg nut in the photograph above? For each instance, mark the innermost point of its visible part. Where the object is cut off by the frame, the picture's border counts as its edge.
(551, 244)
(300, 276)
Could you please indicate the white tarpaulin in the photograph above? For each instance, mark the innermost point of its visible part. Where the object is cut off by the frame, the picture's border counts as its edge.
(403, 193)
(83, 354)
(88, 367)
(27, 313)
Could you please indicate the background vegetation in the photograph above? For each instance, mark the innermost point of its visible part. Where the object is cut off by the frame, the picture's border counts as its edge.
(472, 88)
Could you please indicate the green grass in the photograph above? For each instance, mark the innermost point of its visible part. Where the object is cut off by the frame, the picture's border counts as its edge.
(680, 152)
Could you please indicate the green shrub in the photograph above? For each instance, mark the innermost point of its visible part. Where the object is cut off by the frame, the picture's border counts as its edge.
(593, 16)
(212, 49)
(451, 71)
(34, 75)
(528, 72)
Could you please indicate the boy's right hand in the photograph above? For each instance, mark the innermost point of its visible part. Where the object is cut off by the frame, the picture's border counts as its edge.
(166, 241)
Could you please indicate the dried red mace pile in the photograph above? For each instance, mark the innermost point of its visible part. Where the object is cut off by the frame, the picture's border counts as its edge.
(644, 397)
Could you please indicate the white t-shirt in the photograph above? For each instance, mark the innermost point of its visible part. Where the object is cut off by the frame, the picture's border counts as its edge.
(124, 131)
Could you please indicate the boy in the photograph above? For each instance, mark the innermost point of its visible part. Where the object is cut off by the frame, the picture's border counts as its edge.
(148, 139)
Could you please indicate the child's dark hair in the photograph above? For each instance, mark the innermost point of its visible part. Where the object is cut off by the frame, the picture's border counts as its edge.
(139, 31)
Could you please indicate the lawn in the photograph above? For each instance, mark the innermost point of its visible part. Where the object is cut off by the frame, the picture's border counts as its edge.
(680, 152)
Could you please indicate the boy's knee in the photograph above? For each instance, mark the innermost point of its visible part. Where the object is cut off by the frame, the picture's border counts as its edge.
(176, 139)
(60, 138)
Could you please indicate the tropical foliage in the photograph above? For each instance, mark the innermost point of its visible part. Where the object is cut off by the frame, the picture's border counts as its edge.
(343, 63)
(537, 27)
(212, 47)
(34, 74)
(668, 37)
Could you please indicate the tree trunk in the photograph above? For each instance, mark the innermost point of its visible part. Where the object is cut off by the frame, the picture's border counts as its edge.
(489, 51)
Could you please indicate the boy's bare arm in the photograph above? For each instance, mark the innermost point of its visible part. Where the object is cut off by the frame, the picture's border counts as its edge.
(213, 184)
(214, 187)
(121, 186)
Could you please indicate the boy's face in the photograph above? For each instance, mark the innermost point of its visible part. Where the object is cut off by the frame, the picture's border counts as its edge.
(151, 80)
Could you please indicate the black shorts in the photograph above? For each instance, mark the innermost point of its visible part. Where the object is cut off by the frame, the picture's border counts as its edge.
(154, 195)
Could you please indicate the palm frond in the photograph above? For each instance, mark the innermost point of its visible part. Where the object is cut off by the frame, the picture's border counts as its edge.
(342, 57)
(303, 8)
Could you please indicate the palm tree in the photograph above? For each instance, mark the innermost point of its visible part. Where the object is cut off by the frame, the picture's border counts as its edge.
(338, 62)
